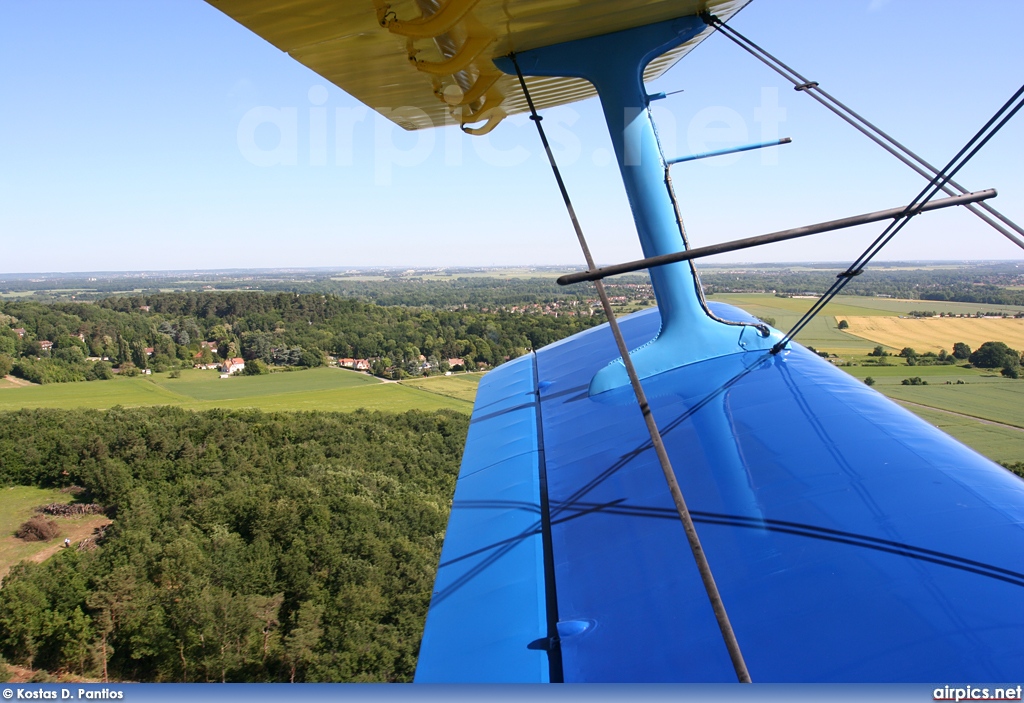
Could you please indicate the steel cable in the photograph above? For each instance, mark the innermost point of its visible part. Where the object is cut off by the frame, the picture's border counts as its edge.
(966, 153)
(862, 125)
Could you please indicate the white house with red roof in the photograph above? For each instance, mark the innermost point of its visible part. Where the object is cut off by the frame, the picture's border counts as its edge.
(233, 365)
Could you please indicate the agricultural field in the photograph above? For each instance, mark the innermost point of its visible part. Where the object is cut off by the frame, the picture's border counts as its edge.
(823, 333)
(461, 386)
(997, 442)
(935, 333)
(334, 390)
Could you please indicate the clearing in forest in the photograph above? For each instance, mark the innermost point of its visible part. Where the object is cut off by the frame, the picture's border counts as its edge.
(18, 504)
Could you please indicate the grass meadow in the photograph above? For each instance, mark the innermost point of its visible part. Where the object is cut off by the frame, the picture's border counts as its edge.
(335, 390)
(460, 386)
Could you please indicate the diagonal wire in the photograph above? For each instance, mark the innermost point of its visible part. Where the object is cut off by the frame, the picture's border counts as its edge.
(862, 125)
(966, 153)
(708, 579)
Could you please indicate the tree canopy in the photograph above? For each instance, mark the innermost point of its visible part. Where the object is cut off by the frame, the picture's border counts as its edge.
(995, 355)
(244, 547)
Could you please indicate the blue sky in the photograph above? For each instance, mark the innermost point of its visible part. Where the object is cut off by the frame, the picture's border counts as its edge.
(120, 149)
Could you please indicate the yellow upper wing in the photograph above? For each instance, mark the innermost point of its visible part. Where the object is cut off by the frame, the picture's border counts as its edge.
(425, 63)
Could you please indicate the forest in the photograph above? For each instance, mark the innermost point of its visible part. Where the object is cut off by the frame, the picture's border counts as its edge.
(244, 546)
(166, 330)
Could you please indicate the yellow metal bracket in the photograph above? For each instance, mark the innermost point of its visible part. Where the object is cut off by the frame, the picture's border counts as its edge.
(467, 53)
(492, 100)
(455, 20)
(483, 83)
(497, 115)
(446, 17)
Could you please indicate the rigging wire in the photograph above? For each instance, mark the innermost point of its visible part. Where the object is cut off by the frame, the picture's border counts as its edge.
(708, 579)
(981, 137)
(862, 125)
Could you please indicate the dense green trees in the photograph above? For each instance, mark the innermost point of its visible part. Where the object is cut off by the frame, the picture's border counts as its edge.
(246, 546)
(994, 355)
(283, 326)
(164, 330)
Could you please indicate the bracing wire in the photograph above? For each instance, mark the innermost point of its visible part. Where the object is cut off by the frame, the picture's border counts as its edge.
(983, 210)
(935, 184)
(703, 567)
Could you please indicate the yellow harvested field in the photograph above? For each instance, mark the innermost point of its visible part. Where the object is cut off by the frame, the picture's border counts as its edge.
(935, 333)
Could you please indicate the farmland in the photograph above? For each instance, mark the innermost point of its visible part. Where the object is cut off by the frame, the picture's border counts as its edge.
(822, 332)
(324, 389)
(935, 333)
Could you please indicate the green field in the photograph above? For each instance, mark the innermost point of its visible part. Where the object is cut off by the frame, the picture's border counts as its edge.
(999, 402)
(984, 394)
(996, 442)
(335, 390)
(461, 386)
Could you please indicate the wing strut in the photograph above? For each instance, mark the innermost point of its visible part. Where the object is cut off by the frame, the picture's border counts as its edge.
(747, 242)
(706, 575)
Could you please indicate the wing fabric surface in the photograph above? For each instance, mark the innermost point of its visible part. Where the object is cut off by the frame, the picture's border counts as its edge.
(492, 574)
(449, 78)
(851, 541)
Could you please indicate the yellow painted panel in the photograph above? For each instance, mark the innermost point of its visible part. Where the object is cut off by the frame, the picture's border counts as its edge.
(342, 41)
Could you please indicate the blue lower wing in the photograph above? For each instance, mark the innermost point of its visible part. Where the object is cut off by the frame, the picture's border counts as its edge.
(850, 540)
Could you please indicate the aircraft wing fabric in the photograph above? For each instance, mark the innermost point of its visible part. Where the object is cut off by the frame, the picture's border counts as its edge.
(850, 540)
(426, 63)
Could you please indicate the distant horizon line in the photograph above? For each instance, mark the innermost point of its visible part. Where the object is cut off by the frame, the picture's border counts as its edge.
(142, 273)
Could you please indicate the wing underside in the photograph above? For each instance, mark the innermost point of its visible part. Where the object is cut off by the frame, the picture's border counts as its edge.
(422, 74)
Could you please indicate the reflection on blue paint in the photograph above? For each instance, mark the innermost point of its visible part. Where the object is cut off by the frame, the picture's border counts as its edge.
(851, 540)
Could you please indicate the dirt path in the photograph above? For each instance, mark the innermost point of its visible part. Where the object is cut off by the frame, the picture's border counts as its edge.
(952, 412)
(12, 382)
(75, 530)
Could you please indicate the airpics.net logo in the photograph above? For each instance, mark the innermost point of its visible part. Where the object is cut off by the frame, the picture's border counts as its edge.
(321, 136)
(977, 693)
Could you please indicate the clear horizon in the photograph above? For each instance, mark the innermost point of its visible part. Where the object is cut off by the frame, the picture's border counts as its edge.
(137, 137)
(567, 267)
